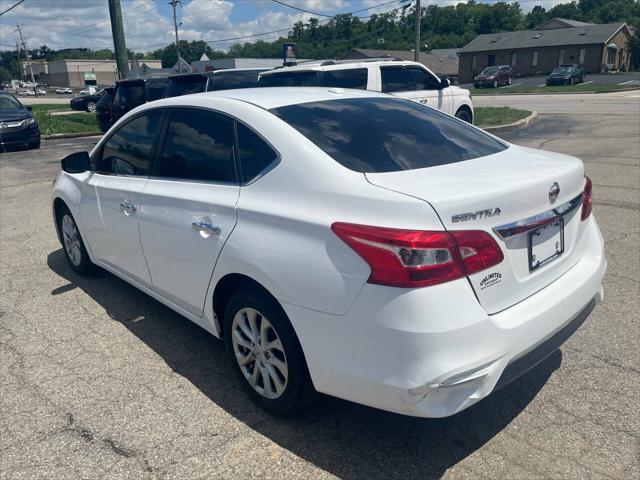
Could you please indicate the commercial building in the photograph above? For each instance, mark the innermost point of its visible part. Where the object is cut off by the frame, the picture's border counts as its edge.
(598, 47)
(80, 73)
(442, 62)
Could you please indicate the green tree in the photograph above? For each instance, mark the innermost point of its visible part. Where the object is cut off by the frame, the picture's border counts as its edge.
(5, 75)
(535, 17)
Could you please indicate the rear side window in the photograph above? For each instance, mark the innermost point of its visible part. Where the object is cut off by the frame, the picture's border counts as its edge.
(199, 145)
(128, 151)
(177, 87)
(155, 89)
(423, 80)
(395, 79)
(289, 79)
(131, 94)
(240, 79)
(352, 78)
(386, 134)
(255, 154)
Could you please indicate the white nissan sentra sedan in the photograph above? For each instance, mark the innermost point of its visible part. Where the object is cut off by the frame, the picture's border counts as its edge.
(344, 242)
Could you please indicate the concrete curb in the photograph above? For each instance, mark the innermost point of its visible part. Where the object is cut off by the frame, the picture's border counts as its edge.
(55, 136)
(475, 94)
(523, 123)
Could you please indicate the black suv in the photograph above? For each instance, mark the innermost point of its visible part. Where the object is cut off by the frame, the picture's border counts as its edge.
(18, 128)
(131, 93)
(103, 109)
(208, 81)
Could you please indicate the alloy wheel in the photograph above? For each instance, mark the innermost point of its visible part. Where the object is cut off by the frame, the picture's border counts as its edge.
(71, 239)
(259, 352)
(91, 107)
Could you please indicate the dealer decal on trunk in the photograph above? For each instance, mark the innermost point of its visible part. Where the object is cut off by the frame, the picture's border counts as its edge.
(490, 279)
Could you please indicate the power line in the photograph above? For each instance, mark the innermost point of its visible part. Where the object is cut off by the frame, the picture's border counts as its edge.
(11, 7)
(302, 9)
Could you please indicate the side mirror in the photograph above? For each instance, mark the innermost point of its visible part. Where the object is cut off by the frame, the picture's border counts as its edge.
(29, 107)
(444, 83)
(76, 163)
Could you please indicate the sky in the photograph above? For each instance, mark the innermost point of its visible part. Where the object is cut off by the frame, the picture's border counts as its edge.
(148, 24)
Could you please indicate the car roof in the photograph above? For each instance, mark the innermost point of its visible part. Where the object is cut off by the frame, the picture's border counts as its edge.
(326, 65)
(269, 97)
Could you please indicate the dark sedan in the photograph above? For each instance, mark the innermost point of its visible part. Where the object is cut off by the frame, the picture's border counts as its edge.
(87, 103)
(18, 128)
(566, 75)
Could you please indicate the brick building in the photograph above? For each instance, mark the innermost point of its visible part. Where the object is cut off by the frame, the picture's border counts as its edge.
(599, 47)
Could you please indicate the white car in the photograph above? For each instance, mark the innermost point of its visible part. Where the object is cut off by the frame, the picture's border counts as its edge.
(404, 79)
(341, 241)
(27, 93)
(66, 91)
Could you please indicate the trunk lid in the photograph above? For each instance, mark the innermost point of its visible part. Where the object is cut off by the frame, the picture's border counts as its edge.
(517, 181)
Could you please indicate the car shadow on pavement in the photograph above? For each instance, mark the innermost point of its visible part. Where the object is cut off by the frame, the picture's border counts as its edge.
(345, 439)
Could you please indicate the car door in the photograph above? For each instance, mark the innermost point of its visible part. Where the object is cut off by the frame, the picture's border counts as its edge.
(189, 204)
(111, 196)
(428, 90)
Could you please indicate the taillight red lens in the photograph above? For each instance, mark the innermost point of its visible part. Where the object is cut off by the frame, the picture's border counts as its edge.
(415, 258)
(586, 198)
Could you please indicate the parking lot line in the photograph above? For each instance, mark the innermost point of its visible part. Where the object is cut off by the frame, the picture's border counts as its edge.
(624, 83)
(542, 85)
(585, 83)
(512, 85)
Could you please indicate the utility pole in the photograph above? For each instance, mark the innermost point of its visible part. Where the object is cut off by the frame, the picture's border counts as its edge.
(20, 62)
(117, 30)
(416, 53)
(174, 4)
(33, 79)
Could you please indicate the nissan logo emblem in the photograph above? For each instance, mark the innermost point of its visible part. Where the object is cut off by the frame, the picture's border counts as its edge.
(554, 191)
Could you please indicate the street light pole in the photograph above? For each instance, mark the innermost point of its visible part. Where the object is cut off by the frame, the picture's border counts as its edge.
(416, 52)
(174, 4)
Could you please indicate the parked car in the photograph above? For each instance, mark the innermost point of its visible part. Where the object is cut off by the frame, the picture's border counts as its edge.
(218, 80)
(89, 91)
(566, 75)
(18, 128)
(131, 93)
(64, 91)
(88, 102)
(404, 79)
(27, 93)
(41, 91)
(42, 85)
(494, 77)
(340, 241)
(103, 109)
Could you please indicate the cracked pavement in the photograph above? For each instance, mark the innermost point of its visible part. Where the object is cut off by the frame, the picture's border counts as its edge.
(98, 380)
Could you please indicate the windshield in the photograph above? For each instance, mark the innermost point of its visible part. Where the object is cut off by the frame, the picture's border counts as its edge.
(7, 102)
(563, 69)
(185, 86)
(489, 71)
(288, 79)
(387, 135)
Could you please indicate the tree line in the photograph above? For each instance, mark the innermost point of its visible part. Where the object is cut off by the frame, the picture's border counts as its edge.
(441, 27)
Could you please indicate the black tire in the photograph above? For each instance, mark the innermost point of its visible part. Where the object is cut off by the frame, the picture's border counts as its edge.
(83, 265)
(464, 114)
(299, 391)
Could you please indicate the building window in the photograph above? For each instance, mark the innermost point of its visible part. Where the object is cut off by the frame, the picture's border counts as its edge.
(514, 58)
(561, 57)
(474, 62)
(534, 58)
(491, 60)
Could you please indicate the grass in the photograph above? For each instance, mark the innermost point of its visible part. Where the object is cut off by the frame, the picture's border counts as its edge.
(579, 88)
(45, 107)
(73, 123)
(492, 116)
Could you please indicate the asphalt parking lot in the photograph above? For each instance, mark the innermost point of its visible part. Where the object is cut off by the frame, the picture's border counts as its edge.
(630, 79)
(101, 381)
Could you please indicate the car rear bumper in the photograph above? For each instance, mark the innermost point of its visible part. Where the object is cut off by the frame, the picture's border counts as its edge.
(433, 352)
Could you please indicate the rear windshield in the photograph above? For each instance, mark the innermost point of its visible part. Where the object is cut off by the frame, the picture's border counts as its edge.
(238, 79)
(387, 135)
(185, 86)
(289, 79)
(155, 89)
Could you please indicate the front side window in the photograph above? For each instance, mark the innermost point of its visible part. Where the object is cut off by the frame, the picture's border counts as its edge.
(128, 151)
(199, 145)
(350, 78)
(423, 80)
(289, 79)
(255, 154)
(386, 134)
(395, 79)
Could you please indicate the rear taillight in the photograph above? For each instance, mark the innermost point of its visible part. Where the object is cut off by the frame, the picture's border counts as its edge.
(586, 198)
(416, 258)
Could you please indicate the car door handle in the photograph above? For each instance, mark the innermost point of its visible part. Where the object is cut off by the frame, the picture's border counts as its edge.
(423, 101)
(202, 226)
(127, 207)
